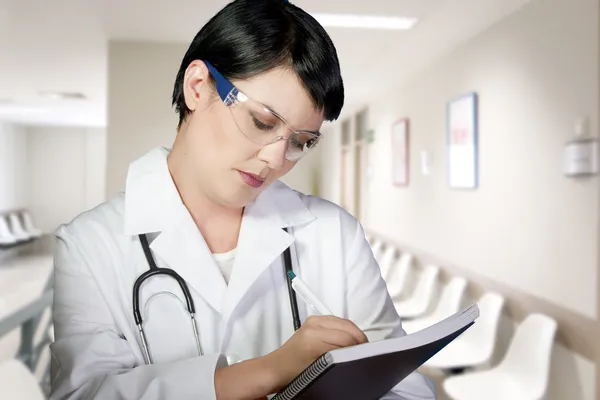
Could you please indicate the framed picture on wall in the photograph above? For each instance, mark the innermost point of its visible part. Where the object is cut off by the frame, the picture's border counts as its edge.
(462, 133)
(400, 152)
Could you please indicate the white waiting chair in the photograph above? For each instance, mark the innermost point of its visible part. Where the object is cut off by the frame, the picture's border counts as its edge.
(17, 382)
(419, 302)
(377, 248)
(475, 347)
(29, 226)
(523, 372)
(17, 228)
(448, 304)
(387, 260)
(6, 237)
(398, 275)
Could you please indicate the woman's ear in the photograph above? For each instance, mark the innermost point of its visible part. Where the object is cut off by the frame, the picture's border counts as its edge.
(194, 88)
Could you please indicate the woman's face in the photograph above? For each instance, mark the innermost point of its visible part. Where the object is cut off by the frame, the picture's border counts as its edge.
(227, 167)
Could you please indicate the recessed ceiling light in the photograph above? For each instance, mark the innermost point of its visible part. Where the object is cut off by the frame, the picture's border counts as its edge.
(20, 110)
(365, 21)
(63, 95)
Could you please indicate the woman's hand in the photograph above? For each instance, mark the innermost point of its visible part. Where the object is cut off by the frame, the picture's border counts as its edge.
(318, 335)
(246, 380)
(259, 377)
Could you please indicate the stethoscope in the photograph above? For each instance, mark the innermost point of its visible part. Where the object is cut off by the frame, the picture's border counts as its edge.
(155, 270)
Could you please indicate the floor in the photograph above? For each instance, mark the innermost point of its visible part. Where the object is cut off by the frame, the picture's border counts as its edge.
(23, 276)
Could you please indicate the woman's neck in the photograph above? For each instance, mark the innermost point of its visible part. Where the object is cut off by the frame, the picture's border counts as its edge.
(218, 224)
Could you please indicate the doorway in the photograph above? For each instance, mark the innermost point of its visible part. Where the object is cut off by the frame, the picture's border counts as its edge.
(354, 165)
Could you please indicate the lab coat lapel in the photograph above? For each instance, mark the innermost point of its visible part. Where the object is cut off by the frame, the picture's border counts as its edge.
(262, 240)
(259, 245)
(183, 249)
(152, 204)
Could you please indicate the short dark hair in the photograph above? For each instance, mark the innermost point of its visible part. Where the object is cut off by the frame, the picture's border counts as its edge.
(250, 37)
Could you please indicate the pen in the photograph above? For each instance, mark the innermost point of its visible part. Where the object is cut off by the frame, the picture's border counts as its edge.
(307, 295)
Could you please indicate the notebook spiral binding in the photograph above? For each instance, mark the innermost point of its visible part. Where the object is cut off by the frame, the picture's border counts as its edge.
(304, 379)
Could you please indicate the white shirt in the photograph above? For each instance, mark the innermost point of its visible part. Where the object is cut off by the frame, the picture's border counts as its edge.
(98, 353)
(225, 263)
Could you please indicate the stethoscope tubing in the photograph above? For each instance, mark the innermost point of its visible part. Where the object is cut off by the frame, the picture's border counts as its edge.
(155, 270)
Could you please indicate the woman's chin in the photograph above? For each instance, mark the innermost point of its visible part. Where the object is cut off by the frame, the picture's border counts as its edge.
(240, 198)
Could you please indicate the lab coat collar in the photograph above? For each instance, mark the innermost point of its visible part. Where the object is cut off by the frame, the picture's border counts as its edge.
(152, 204)
(151, 198)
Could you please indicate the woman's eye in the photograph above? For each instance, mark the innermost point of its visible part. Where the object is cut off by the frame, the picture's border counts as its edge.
(310, 143)
(261, 125)
(297, 144)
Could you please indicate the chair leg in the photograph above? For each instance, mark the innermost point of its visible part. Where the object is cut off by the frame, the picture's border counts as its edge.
(457, 371)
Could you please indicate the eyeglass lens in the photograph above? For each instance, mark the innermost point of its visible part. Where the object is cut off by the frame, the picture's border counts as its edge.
(263, 127)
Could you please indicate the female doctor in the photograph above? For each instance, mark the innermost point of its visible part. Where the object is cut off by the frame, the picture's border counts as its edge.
(177, 288)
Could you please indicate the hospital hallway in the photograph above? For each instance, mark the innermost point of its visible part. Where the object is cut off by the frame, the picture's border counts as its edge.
(467, 148)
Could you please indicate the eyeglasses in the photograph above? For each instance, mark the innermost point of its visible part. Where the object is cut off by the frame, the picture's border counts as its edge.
(259, 124)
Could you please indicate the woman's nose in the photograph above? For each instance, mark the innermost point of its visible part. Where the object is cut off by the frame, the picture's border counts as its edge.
(274, 154)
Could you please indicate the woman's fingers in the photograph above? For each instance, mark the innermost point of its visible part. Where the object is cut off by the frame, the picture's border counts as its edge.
(340, 324)
(337, 338)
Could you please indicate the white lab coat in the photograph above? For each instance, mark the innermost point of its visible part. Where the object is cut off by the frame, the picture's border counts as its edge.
(98, 257)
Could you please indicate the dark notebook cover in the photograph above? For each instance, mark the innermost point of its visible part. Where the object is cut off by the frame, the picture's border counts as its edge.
(370, 377)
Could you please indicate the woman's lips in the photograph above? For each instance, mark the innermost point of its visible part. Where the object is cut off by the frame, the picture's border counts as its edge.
(251, 179)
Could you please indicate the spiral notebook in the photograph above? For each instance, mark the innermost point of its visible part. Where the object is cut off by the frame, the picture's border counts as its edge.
(370, 370)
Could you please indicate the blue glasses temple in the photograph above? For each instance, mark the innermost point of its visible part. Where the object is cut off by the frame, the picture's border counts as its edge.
(224, 87)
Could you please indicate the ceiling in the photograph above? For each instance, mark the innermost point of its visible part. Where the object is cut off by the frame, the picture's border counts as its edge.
(61, 45)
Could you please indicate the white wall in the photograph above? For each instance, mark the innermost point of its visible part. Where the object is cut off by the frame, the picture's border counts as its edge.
(526, 226)
(67, 173)
(95, 167)
(141, 77)
(571, 376)
(331, 153)
(140, 85)
(533, 81)
(13, 167)
(55, 172)
(305, 176)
